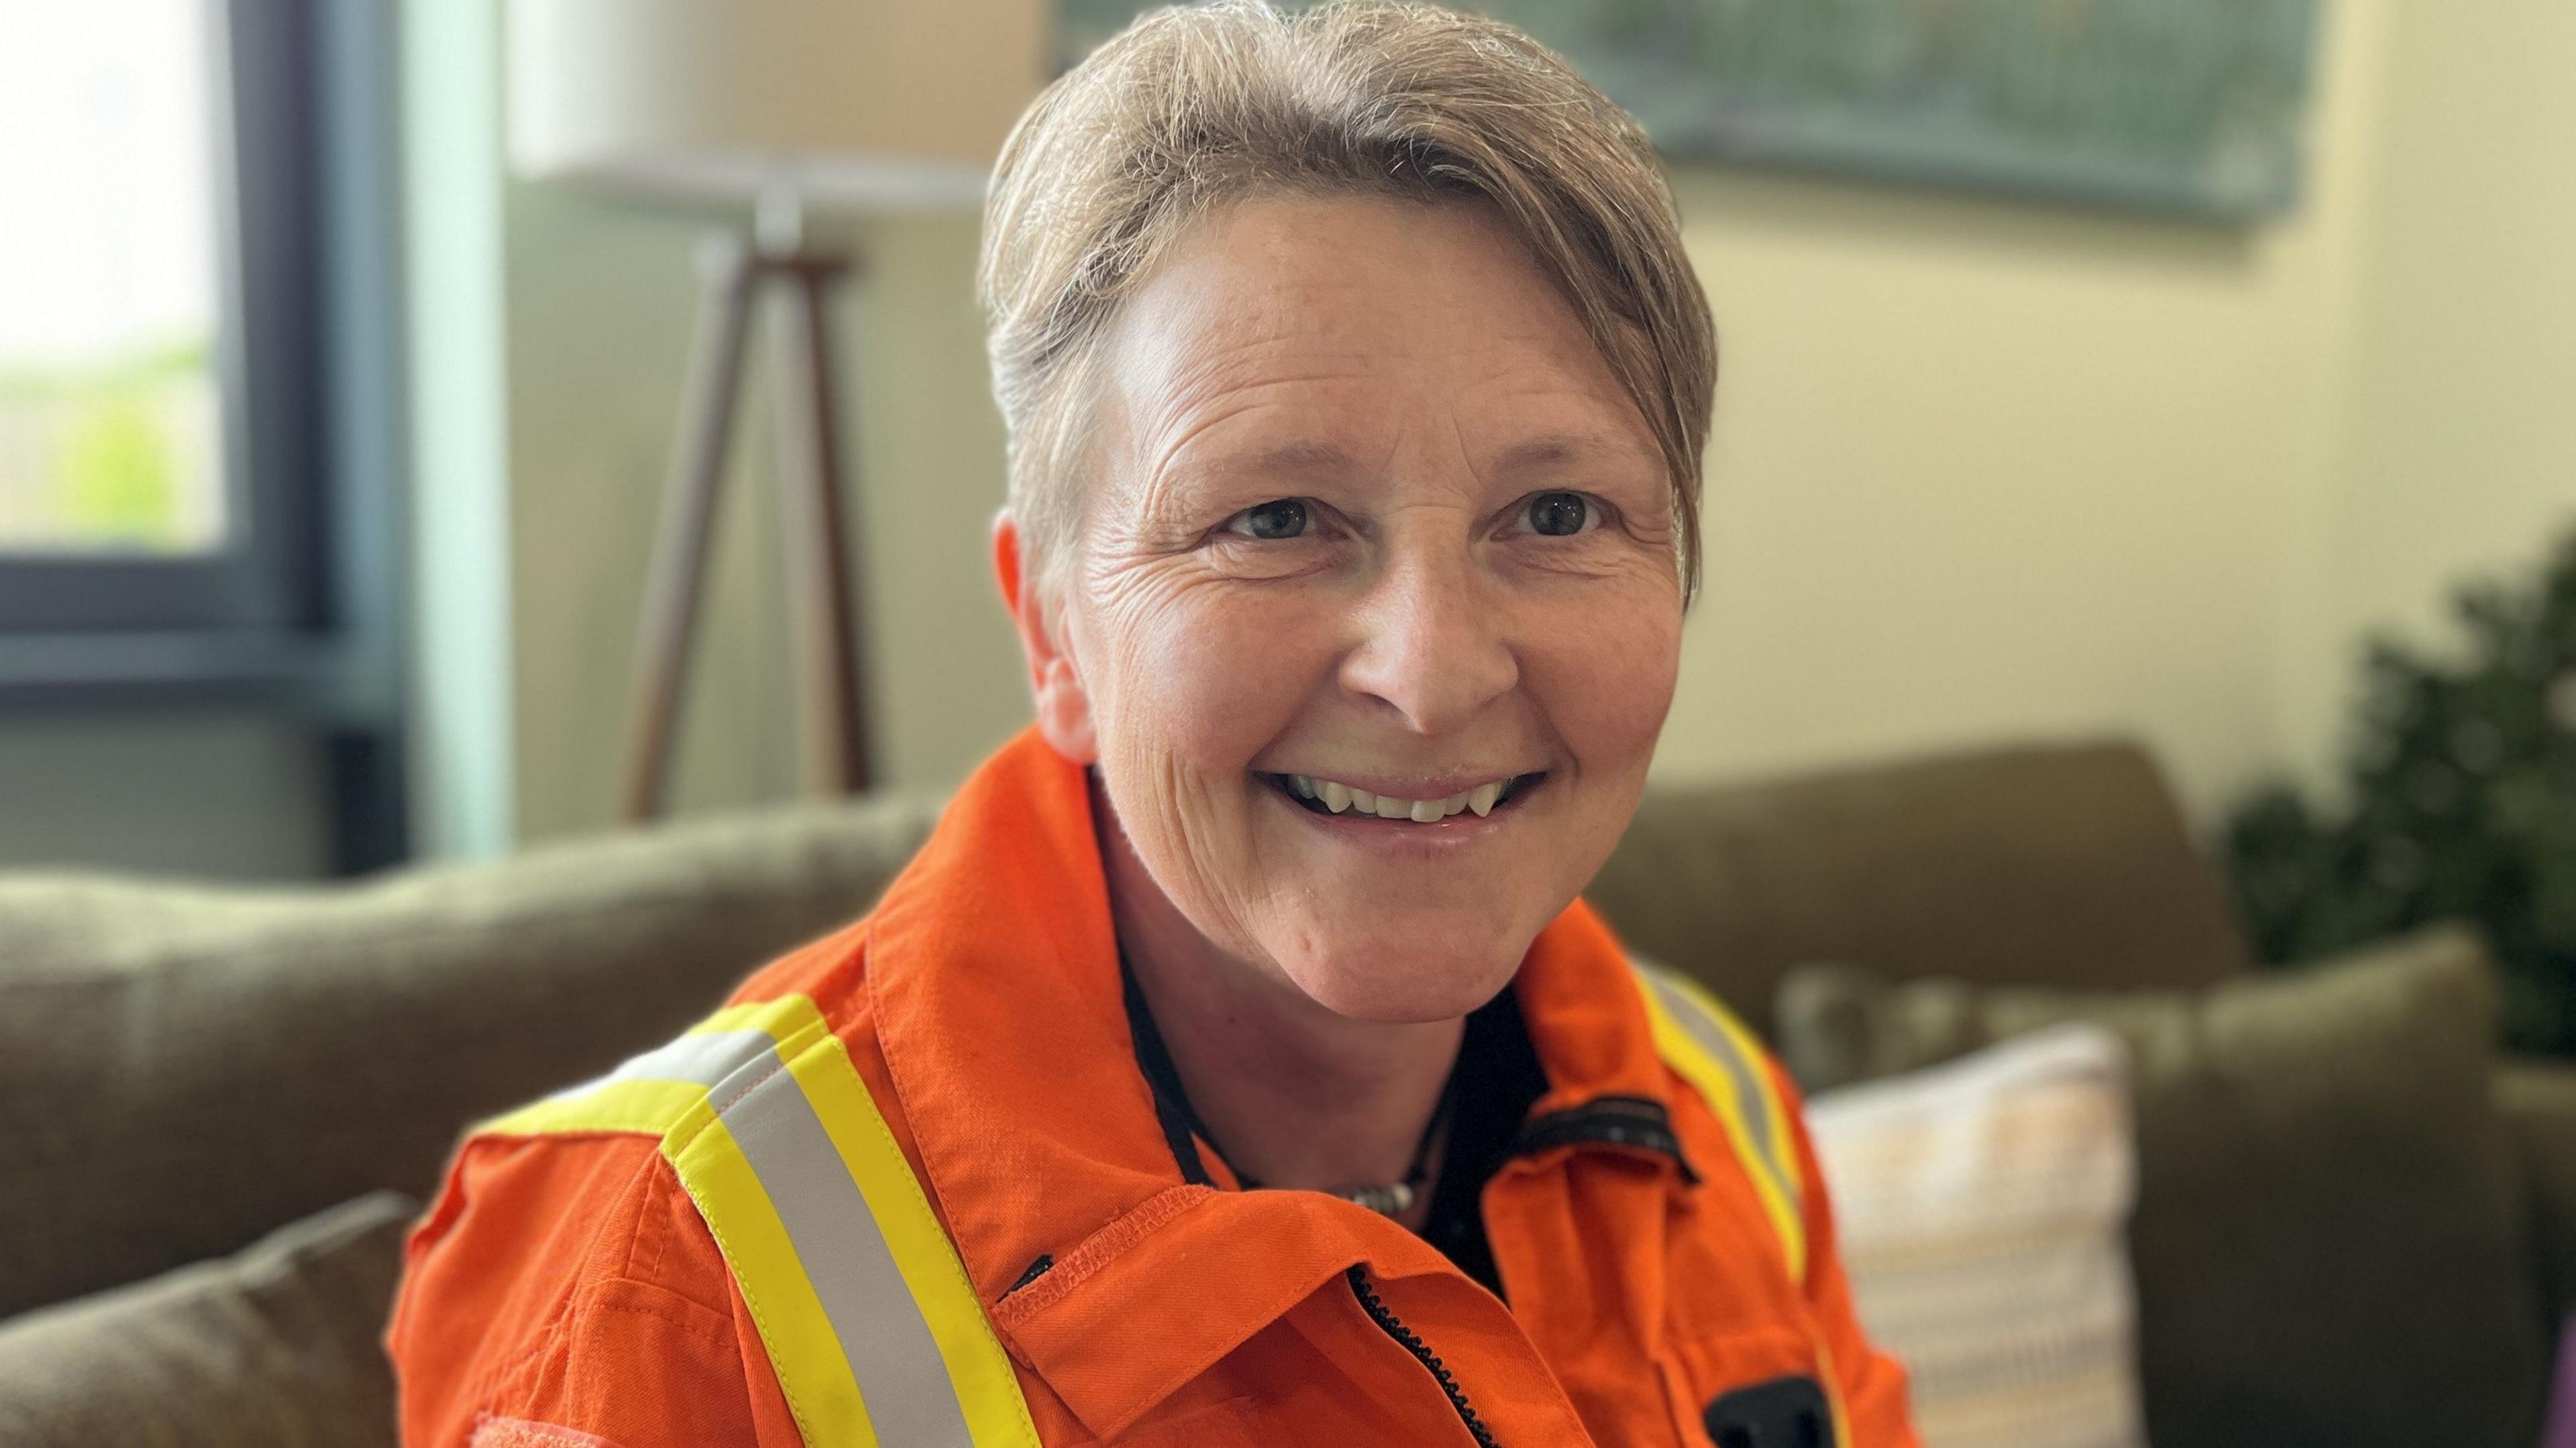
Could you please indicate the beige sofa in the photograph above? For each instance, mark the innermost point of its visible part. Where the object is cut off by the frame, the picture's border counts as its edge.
(189, 1069)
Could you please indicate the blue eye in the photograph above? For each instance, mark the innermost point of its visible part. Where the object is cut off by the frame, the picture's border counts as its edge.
(1277, 519)
(1559, 515)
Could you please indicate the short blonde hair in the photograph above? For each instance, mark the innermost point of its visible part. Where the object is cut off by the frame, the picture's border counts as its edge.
(1196, 107)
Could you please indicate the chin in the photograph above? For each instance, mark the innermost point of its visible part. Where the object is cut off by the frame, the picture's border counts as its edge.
(1405, 979)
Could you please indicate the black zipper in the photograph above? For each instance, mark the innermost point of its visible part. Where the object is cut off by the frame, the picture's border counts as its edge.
(1404, 1338)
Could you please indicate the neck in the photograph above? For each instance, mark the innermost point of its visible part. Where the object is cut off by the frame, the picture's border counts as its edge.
(1299, 1095)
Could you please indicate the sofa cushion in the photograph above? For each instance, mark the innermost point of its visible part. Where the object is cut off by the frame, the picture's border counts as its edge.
(187, 1067)
(2330, 1233)
(2538, 1099)
(274, 1347)
(2059, 864)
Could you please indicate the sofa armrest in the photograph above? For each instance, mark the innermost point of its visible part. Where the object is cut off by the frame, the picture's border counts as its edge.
(2538, 1100)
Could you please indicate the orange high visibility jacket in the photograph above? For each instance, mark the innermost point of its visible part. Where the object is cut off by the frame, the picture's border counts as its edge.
(909, 1188)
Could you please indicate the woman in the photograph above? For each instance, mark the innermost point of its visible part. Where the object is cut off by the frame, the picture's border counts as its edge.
(1236, 1063)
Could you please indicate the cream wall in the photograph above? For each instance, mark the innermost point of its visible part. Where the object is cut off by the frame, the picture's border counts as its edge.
(601, 307)
(1983, 470)
(1987, 470)
(2457, 452)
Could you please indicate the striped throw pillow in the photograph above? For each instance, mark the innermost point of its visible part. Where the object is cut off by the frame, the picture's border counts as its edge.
(1982, 1209)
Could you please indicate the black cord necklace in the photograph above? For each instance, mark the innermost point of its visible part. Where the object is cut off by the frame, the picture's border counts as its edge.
(1396, 1198)
(1181, 1121)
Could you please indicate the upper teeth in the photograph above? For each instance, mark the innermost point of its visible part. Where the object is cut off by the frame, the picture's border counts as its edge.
(1337, 797)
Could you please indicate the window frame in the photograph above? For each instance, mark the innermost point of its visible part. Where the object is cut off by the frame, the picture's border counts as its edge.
(267, 576)
(302, 615)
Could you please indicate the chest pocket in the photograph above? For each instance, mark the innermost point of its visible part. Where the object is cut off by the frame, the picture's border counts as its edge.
(1787, 1412)
(1770, 1387)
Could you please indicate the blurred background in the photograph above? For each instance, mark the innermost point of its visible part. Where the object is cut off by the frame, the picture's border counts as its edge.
(2089, 368)
(1985, 466)
(2097, 369)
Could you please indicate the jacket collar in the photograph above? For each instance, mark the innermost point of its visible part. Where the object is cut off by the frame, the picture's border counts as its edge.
(993, 979)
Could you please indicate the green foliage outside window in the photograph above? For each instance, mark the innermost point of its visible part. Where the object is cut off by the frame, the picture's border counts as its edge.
(116, 477)
(113, 457)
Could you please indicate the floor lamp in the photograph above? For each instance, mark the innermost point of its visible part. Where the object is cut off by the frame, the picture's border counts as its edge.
(763, 113)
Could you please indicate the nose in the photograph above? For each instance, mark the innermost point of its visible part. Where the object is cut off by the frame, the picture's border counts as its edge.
(1434, 647)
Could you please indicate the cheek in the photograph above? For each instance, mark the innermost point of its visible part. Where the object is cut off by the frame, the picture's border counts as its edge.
(1604, 674)
(1207, 674)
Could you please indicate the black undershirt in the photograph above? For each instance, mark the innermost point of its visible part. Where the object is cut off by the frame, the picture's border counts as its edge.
(1491, 1089)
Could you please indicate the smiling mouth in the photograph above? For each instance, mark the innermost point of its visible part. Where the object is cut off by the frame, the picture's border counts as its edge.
(1331, 797)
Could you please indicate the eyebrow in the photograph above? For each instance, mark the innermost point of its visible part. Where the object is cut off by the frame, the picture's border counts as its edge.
(1557, 449)
(1309, 457)
(1315, 457)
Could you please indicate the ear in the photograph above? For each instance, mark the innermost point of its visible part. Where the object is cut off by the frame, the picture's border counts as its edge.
(1064, 708)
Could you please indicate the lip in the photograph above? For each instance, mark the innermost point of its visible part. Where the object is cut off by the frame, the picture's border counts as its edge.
(1419, 787)
(1456, 831)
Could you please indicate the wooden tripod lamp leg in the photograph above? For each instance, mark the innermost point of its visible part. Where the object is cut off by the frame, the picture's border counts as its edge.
(688, 522)
(822, 605)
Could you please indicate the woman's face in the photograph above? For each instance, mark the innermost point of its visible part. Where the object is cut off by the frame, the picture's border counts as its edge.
(1372, 617)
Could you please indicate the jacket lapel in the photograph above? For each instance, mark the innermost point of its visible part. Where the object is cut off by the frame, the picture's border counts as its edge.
(993, 982)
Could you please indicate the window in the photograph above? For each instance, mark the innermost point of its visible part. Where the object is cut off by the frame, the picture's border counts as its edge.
(200, 392)
(158, 429)
(109, 435)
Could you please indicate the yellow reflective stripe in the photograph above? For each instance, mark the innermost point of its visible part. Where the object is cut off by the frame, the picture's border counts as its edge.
(645, 1108)
(649, 1094)
(788, 1020)
(867, 1314)
(1749, 1123)
(988, 1388)
(1833, 1392)
(1718, 1089)
(753, 1016)
(813, 1372)
(1713, 1027)
(1783, 1153)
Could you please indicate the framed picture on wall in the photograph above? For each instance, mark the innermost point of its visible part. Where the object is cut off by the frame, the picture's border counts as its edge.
(2190, 107)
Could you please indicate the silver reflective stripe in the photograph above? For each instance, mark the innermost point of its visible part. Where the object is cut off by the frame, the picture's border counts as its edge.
(903, 1381)
(1751, 1088)
(705, 1059)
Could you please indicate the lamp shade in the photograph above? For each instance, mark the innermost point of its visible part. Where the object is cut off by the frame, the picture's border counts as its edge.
(845, 103)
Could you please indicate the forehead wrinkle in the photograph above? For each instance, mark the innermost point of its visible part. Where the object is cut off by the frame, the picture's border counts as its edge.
(1182, 421)
(1180, 371)
(1300, 463)
(1198, 361)
(1170, 468)
(1387, 373)
(1530, 431)
(1581, 377)
(1559, 418)
(1204, 396)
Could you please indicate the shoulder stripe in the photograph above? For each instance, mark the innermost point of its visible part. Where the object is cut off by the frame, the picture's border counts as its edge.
(705, 1057)
(648, 1094)
(859, 1297)
(823, 1286)
(630, 1107)
(1703, 1042)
